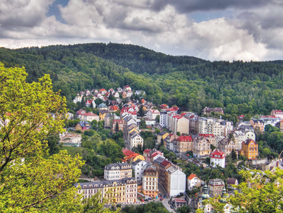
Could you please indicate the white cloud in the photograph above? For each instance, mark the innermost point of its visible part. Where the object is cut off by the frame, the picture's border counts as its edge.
(164, 30)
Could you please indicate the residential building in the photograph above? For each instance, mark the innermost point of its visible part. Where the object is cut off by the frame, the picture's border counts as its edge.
(161, 136)
(150, 182)
(176, 181)
(270, 120)
(193, 181)
(78, 98)
(152, 114)
(227, 145)
(153, 154)
(113, 108)
(249, 149)
(102, 106)
(179, 202)
(145, 153)
(86, 116)
(120, 125)
(277, 113)
(211, 138)
(256, 123)
(117, 171)
(102, 91)
(164, 116)
(82, 126)
(201, 147)
(215, 187)
(231, 182)
(136, 140)
(184, 143)
(139, 166)
(102, 114)
(281, 126)
(217, 158)
(131, 156)
(89, 102)
(122, 191)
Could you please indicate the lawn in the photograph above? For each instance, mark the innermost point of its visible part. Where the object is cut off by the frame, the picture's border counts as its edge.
(73, 151)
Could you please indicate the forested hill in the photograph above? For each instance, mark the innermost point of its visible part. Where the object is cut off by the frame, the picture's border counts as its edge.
(191, 83)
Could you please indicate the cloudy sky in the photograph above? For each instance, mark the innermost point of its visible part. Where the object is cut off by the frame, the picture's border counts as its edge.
(210, 29)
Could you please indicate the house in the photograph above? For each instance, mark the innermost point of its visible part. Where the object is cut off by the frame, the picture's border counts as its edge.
(215, 187)
(124, 94)
(241, 118)
(227, 145)
(150, 182)
(113, 108)
(277, 113)
(256, 123)
(193, 181)
(129, 94)
(82, 126)
(120, 125)
(136, 140)
(131, 156)
(179, 202)
(145, 153)
(117, 171)
(184, 143)
(77, 99)
(116, 95)
(249, 149)
(152, 114)
(102, 114)
(231, 182)
(139, 166)
(89, 102)
(139, 92)
(102, 91)
(127, 88)
(201, 147)
(164, 106)
(217, 158)
(161, 136)
(210, 137)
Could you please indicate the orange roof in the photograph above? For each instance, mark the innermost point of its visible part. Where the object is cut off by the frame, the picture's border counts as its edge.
(192, 176)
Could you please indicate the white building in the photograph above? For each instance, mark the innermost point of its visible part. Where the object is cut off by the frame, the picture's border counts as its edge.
(136, 140)
(77, 99)
(139, 166)
(176, 181)
(193, 181)
(152, 113)
(217, 158)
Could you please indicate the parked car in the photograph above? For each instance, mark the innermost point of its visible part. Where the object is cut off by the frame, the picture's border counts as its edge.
(146, 199)
(142, 200)
(149, 198)
(171, 207)
(161, 199)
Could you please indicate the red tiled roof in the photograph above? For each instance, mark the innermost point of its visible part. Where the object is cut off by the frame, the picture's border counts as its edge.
(165, 163)
(147, 150)
(192, 176)
(269, 116)
(185, 138)
(277, 110)
(90, 114)
(101, 90)
(217, 153)
(177, 116)
(117, 121)
(114, 107)
(173, 109)
(206, 135)
(154, 154)
(241, 116)
(127, 152)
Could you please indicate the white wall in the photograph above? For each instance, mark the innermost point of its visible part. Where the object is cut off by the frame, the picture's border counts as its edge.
(177, 183)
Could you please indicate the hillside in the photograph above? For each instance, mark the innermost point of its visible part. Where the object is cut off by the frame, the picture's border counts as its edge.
(191, 83)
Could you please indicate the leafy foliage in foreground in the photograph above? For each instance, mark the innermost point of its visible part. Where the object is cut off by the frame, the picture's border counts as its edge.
(29, 180)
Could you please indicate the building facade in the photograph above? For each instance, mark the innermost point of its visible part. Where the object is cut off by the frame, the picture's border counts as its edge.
(150, 182)
(217, 158)
(117, 171)
(249, 149)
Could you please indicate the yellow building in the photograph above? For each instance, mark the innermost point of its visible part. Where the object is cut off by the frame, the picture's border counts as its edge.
(150, 182)
(161, 136)
(114, 191)
(249, 149)
(102, 114)
(201, 147)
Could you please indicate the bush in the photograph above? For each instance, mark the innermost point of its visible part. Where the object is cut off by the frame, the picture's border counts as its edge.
(89, 132)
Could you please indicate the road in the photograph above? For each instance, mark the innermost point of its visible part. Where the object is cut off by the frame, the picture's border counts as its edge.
(166, 199)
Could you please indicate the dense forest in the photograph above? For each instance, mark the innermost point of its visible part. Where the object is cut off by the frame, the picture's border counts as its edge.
(188, 82)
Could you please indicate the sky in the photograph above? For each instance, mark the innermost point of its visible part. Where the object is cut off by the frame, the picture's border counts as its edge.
(209, 29)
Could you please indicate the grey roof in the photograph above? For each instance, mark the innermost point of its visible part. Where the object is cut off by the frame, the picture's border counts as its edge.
(102, 105)
(119, 165)
(136, 162)
(100, 184)
(159, 160)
